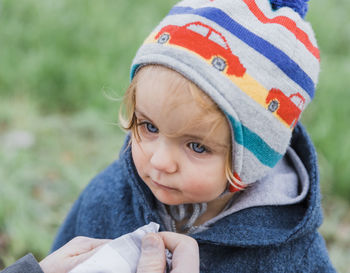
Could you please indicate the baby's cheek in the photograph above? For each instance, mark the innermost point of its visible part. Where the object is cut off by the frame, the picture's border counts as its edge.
(201, 185)
(213, 183)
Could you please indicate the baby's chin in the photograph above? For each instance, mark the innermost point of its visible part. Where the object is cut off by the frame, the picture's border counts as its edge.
(174, 202)
(176, 197)
(168, 201)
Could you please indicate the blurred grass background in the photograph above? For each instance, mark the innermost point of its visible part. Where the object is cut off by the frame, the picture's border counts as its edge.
(61, 62)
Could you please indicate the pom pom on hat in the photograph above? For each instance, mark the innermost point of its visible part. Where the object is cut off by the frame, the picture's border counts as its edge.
(300, 6)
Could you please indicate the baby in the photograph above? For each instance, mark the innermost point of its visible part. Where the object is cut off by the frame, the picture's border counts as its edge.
(215, 149)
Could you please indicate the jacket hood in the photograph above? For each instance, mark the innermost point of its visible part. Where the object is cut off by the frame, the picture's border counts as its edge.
(255, 226)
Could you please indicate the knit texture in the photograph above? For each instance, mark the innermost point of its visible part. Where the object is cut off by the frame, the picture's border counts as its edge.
(258, 61)
(299, 6)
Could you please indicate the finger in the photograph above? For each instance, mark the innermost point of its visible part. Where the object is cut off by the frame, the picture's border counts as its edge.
(71, 254)
(81, 244)
(185, 252)
(152, 258)
(78, 259)
(173, 240)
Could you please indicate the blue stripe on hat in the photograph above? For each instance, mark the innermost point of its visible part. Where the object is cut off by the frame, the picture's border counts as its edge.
(275, 55)
(251, 141)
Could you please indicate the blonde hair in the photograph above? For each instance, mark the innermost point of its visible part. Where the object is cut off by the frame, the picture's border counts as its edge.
(176, 81)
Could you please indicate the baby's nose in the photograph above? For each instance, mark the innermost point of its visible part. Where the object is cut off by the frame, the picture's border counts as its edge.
(163, 158)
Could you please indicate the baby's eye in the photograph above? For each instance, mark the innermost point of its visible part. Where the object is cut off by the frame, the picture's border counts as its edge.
(150, 127)
(197, 147)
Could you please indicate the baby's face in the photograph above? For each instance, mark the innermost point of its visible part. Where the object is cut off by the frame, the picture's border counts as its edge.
(173, 155)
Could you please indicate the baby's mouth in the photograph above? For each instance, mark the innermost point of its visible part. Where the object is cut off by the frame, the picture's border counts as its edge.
(162, 186)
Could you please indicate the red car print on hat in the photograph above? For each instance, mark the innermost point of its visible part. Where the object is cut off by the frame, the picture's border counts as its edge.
(288, 108)
(205, 41)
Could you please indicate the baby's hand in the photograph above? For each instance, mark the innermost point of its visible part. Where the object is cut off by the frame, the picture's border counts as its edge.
(71, 254)
(184, 248)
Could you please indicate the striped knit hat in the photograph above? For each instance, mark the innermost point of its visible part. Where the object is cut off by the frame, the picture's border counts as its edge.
(257, 59)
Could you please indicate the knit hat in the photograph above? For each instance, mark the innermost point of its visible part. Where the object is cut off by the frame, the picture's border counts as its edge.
(257, 59)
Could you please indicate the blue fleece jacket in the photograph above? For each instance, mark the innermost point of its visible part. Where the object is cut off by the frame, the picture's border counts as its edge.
(257, 239)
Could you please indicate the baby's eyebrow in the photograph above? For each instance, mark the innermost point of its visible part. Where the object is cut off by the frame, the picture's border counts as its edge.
(197, 137)
(138, 112)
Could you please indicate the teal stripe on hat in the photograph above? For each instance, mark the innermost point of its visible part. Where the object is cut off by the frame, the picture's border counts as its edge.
(133, 70)
(251, 141)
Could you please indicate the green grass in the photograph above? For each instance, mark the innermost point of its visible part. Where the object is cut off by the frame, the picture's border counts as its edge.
(40, 181)
(61, 61)
(327, 116)
(63, 52)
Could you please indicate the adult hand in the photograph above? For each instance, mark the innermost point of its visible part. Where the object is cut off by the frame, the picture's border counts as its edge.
(184, 248)
(71, 254)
